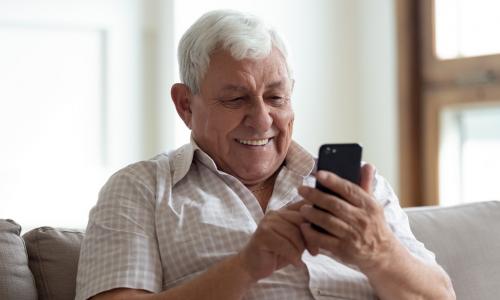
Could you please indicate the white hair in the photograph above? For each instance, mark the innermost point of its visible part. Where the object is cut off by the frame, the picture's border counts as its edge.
(243, 35)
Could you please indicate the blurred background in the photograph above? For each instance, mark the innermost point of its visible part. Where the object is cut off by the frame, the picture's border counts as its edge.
(85, 90)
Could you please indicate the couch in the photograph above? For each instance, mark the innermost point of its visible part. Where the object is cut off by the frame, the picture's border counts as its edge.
(42, 263)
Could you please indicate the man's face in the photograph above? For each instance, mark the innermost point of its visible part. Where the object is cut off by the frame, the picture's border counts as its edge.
(242, 116)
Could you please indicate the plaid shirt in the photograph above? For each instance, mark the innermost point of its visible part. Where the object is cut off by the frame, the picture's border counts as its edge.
(159, 223)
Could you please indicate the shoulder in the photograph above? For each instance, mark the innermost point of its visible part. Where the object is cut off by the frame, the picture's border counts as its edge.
(137, 182)
(153, 177)
(146, 172)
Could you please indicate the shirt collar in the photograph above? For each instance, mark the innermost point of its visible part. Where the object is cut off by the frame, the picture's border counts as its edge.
(297, 160)
(182, 159)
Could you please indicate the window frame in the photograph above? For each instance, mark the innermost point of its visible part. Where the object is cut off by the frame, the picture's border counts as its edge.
(426, 86)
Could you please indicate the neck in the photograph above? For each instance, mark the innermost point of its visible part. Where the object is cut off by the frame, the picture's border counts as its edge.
(263, 185)
(263, 190)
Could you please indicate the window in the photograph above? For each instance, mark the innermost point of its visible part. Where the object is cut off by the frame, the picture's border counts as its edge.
(450, 67)
(465, 28)
(51, 114)
(469, 154)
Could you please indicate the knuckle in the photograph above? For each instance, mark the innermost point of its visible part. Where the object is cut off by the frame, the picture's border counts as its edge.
(374, 208)
(322, 218)
(329, 221)
(362, 222)
(271, 213)
(349, 189)
(265, 227)
(338, 205)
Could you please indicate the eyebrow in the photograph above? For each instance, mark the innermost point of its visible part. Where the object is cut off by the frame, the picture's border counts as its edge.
(275, 84)
(232, 87)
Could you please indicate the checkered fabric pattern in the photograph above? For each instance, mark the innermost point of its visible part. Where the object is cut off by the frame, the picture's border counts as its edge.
(159, 223)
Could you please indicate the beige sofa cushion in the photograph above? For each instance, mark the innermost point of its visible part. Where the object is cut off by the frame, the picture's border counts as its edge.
(53, 259)
(16, 280)
(466, 241)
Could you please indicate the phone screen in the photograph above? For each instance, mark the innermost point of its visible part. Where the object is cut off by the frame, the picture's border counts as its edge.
(342, 159)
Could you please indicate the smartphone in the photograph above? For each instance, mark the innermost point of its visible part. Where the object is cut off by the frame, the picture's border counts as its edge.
(342, 159)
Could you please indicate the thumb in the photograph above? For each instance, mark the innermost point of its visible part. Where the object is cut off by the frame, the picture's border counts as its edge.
(367, 175)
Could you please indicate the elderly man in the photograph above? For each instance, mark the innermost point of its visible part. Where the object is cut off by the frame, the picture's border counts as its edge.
(229, 215)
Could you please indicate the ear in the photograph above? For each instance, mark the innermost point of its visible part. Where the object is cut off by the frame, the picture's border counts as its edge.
(181, 96)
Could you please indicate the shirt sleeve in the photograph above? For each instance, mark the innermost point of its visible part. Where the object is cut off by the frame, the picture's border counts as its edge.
(398, 220)
(120, 247)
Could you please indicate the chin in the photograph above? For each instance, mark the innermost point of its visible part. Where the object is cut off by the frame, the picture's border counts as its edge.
(254, 175)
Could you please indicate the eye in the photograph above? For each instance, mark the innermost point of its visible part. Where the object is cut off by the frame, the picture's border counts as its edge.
(277, 100)
(234, 102)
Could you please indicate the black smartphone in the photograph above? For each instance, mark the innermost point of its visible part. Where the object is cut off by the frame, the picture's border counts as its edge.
(342, 159)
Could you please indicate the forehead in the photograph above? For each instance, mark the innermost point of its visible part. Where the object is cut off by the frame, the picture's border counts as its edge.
(224, 68)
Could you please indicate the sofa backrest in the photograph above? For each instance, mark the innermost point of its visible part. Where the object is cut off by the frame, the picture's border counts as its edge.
(466, 241)
(53, 258)
(16, 280)
(464, 238)
(41, 264)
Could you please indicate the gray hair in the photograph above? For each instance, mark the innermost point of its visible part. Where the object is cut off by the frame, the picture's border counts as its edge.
(243, 35)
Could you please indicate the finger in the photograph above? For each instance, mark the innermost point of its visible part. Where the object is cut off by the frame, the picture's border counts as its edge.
(288, 231)
(330, 203)
(311, 244)
(367, 175)
(354, 217)
(318, 240)
(347, 190)
(327, 221)
(295, 205)
(294, 217)
(282, 246)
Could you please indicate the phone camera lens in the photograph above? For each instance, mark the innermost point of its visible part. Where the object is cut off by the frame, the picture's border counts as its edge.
(328, 150)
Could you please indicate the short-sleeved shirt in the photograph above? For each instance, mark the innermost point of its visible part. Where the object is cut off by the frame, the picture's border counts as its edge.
(161, 222)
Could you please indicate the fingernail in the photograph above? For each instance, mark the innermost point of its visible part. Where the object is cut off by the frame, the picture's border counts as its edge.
(303, 190)
(321, 175)
(305, 207)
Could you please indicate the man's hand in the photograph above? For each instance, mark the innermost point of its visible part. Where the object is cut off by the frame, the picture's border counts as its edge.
(359, 235)
(357, 230)
(277, 242)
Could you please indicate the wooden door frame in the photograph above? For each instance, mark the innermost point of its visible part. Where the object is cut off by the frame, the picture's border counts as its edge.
(410, 149)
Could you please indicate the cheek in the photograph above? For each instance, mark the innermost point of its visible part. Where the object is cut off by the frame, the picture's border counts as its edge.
(220, 124)
(285, 125)
(290, 124)
(285, 122)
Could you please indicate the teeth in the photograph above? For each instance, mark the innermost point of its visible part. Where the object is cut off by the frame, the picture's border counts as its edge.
(254, 142)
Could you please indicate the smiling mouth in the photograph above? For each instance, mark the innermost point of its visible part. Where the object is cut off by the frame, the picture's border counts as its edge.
(259, 142)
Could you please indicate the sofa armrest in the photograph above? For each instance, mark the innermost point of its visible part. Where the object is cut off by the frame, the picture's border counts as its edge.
(16, 279)
(466, 241)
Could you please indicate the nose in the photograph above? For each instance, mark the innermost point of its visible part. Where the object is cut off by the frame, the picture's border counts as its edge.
(259, 116)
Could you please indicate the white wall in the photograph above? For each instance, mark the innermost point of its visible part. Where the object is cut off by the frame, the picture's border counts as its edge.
(377, 98)
(70, 109)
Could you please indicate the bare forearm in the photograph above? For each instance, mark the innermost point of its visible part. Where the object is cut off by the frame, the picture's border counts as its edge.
(225, 281)
(406, 277)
